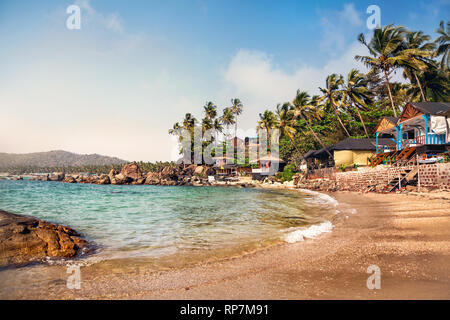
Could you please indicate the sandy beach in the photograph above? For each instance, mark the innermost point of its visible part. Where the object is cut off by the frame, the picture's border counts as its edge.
(406, 236)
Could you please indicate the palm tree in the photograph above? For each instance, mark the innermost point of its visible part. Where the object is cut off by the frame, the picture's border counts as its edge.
(436, 86)
(304, 107)
(268, 121)
(285, 115)
(236, 108)
(356, 93)
(385, 48)
(417, 52)
(331, 92)
(189, 121)
(443, 42)
(175, 129)
(210, 110)
(228, 118)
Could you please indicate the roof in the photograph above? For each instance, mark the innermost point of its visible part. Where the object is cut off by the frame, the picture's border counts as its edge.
(386, 123)
(433, 108)
(350, 144)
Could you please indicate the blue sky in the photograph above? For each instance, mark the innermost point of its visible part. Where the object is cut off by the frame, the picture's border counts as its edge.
(117, 85)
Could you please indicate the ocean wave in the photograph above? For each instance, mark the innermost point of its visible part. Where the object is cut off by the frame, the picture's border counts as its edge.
(310, 232)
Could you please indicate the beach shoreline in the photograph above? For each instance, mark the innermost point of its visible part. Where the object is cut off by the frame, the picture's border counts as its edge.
(406, 236)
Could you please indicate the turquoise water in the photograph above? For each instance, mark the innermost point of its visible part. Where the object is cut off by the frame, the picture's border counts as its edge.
(154, 221)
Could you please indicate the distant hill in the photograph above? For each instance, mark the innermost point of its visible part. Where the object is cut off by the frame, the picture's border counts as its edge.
(58, 158)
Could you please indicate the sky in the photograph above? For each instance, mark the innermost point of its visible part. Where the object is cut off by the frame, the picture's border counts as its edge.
(116, 85)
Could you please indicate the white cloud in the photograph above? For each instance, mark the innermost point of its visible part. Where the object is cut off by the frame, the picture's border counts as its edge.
(336, 25)
(261, 84)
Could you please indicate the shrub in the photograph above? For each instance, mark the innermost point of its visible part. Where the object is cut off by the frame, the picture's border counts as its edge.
(288, 173)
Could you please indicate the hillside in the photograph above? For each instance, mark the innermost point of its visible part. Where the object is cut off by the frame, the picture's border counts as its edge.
(56, 158)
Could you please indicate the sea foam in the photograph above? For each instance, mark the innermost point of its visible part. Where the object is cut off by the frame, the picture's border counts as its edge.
(310, 232)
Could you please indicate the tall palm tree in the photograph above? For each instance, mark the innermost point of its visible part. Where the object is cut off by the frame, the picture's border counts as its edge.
(436, 86)
(210, 110)
(175, 128)
(385, 48)
(236, 107)
(285, 120)
(228, 118)
(443, 42)
(330, 94)
(189, 121)
(417, 52)
(356, 93)
(267, 121)
(306, 108)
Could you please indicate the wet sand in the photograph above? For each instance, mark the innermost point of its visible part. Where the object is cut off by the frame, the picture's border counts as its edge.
(406, 236)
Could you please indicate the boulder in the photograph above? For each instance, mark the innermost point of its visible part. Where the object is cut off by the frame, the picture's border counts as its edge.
(69, 179)
(198, 170)
(103, 179)
(59, 176)
(169, 173)
(132, 171)
(25, 239)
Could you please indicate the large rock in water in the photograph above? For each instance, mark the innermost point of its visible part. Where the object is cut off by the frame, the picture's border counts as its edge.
(24, 239)
(132, 171)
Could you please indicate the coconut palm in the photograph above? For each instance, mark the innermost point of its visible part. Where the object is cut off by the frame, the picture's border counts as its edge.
(385, 48)
(285, 114)
(443, 42)
(435, 84)
(189, 121)
(267, 121)
(331, 94)
(228, 118)
(356, 93)
(417, 53)
(307, 108)
(175, 129)
(236, 107)
(210, 110)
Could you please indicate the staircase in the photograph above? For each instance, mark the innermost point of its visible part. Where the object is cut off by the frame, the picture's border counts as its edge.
(407, 176)
(404, 156)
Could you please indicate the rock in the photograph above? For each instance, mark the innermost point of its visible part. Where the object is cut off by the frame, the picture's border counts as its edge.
(103, 179)
(131, 171)
(25, 239)
(152, 178)
(69, 179)
(112, 173)
(59, 176)
(169, 173)
(198, 170)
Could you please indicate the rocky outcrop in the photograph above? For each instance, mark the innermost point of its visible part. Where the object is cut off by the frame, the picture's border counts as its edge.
(24, 239)
(131, 171)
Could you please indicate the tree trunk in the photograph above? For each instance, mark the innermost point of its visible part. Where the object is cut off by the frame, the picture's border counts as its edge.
(339, 118)
(390, 93)
(362, 121)
(420, 86)
(316, 136)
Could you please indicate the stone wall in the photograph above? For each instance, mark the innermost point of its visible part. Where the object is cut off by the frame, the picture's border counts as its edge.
(430, 175)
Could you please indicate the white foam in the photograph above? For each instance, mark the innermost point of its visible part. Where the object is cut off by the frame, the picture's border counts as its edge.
(310, 232)
(321, 197)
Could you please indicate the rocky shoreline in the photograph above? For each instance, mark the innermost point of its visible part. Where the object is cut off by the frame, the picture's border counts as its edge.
(180, 175)
(26, 239)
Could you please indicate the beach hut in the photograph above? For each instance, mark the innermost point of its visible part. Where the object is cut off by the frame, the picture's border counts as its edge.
(422, 128)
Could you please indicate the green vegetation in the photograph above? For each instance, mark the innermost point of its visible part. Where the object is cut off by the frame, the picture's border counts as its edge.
(351, 105)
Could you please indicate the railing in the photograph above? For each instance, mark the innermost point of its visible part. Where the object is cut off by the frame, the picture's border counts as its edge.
(433, 138)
